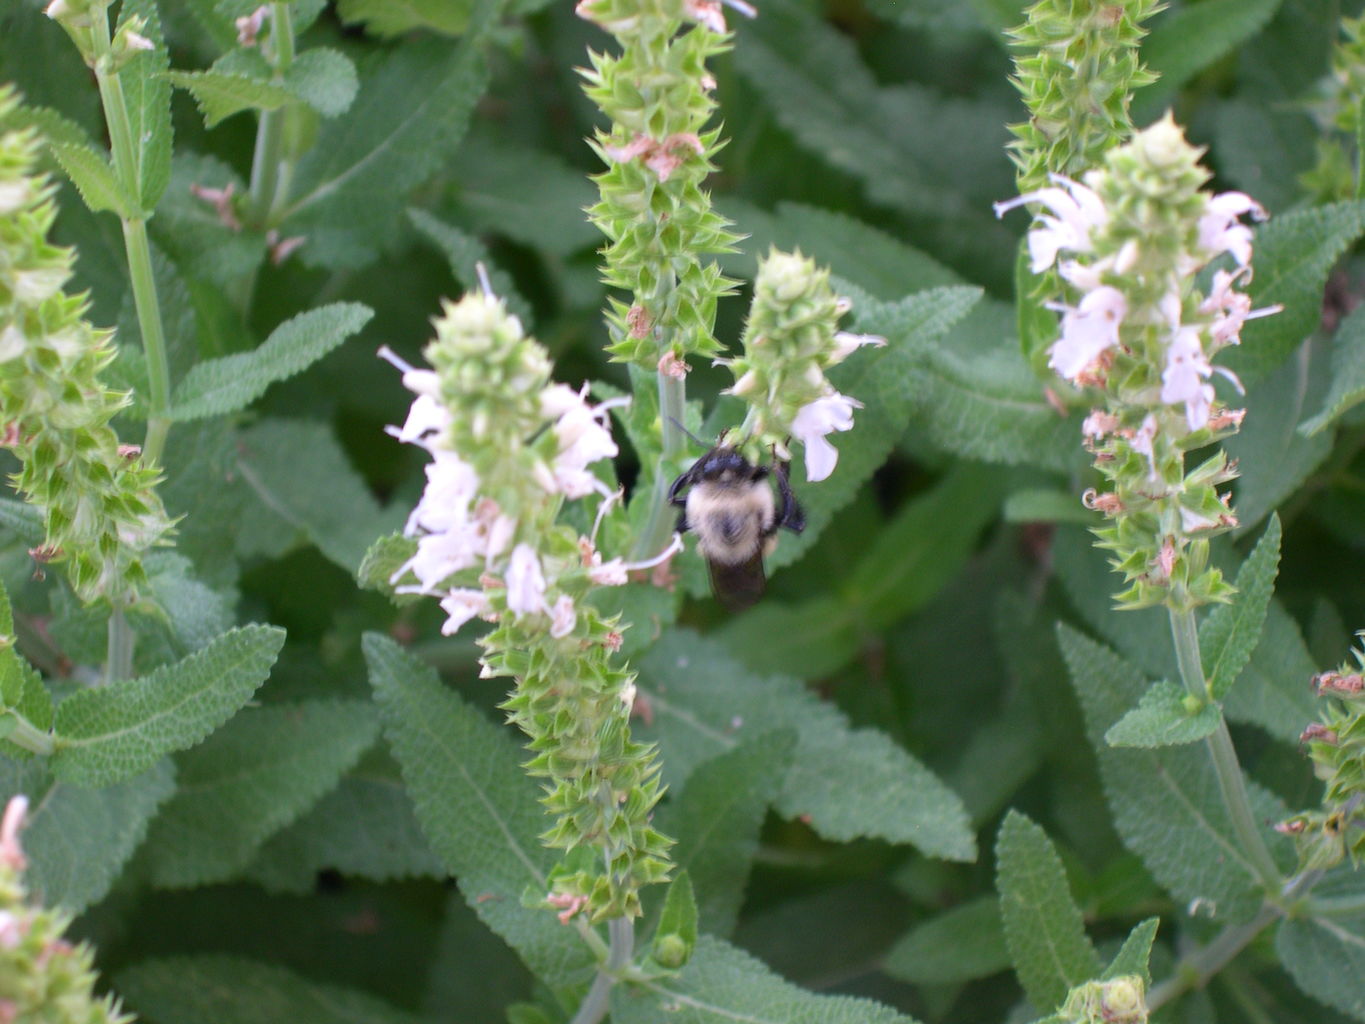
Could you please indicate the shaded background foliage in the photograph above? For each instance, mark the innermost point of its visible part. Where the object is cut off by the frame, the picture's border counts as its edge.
(871, 134)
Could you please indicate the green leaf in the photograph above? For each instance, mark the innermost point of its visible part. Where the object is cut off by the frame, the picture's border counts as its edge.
(229, 383)
(319, 496)
(232, 990)
(221, 94)
(94, 178)
(395, 17)
(717, 818)
(411, 112)
(464, 253)
(365, 828)
(1231, 632)
(384, 558)
(724, 985)
(1043, 926)
(247, 781)
(1190, 39)
(1039, 505)
(323, 78)
(22, 691)
(109, 733)
(676, 936)
(1326, 956)
(1271, 691)
(917, 553)
(962, 944)
(1166, 801)
(77, 840)
(1162, 719)
(23, 520)
(1347, 387)
(478, 809)
(1135, 955)
(846, 782)
(1294, 253)
(148, 97)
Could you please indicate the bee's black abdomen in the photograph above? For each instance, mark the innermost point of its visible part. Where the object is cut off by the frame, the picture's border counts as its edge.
(738, 586)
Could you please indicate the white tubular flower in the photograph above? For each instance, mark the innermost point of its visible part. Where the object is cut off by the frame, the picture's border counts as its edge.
(525, 582)
(461, 605)
(563, 617)
(845, 344)
(1185, 376)
(583, 438)
(1087, 331)
(1077, 211)
(426, 417)
(823, 416)
(439, 556)
(1220, 231)
(451, 486)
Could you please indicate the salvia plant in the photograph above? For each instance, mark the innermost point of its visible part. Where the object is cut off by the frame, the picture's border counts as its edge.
(377, 381)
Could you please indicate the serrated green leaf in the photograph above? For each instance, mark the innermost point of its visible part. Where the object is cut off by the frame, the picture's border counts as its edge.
(477, 807)
(22, 690)
(365, 828)
(411, 111)
(1326, 956)
(148, 97)
(724, 985)
(716, 821)
(194, 614)
(1294, 253)
(229, 383)
(962, 944)
(220, 94)
(247, 781)
(1161, 719)
(232, 990)
(464, 253)
(394, 17)
(23, 520)
(323, 78)
(846, 782)
(1232, 631)
(1043, 926)
(917, 553)
(1166, 801)
(678, 919)
(77, 840)
(1271, 691)
(320, 497)
(94, 179)
(1347, 387)
(1136, 953)
(1191, 38)
(113, 732)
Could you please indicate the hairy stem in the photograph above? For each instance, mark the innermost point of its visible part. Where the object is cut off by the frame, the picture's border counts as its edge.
(621, 931)
(269, 169)
(119, 659)
(28, 736)
(1230, 780)
(659, 523)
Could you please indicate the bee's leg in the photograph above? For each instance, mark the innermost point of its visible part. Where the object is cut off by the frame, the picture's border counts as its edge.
(683, 526)
(789, 511)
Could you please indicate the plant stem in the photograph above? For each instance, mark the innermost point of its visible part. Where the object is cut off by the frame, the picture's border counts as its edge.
(268, 167)
(1230, 781)
(27, 735)
(621, 931)
(659, 523)
(119, 658)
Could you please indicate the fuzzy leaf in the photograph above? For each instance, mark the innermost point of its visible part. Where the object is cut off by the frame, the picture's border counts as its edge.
(77, 839)
(1166, 801)
(1134, 956)
(477, 807)
(917, 553)
(1191, 38)
(725, 985)
(323, 78)
(247, 781)
(94, 179)
(395, 17)
(716, 821)
(848, 782)
(1271, 691)
(464, 253)
(962, 944)
(1232, 631)
(110, 733)
(1161, 720)
(1347, 387)
(1294, 252)
(1043, 926)
(221, 94)
(23, 520)
(229, 383)
(148, 96)
(232, 990)
(1326, 956)
(321, 497)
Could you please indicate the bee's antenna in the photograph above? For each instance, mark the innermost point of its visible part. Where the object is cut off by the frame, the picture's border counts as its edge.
(689, 433)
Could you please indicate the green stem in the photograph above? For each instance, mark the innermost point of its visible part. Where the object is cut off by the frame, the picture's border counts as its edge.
(269, 170)
(119, 658)
(659, 523)
(1360, 149)
(28, 736)
(621, 931)
(1230, 780)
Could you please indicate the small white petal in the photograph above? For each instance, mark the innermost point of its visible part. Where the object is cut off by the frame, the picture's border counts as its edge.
(461, 605)
(525, 582)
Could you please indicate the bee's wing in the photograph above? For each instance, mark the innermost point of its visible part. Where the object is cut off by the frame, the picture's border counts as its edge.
(739, 585)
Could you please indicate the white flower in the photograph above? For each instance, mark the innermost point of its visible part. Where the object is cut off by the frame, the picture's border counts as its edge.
(451, 486)
(1183, 380)
(845, 344)
(525, 582)
(439, 556)
(563, 618)
(1142, 442)
(813, 421)
(1087, 331)
(426, 416)
(461, 605)
(583, 438)
(1076, 212)
(1219, 229)
(609, 574)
